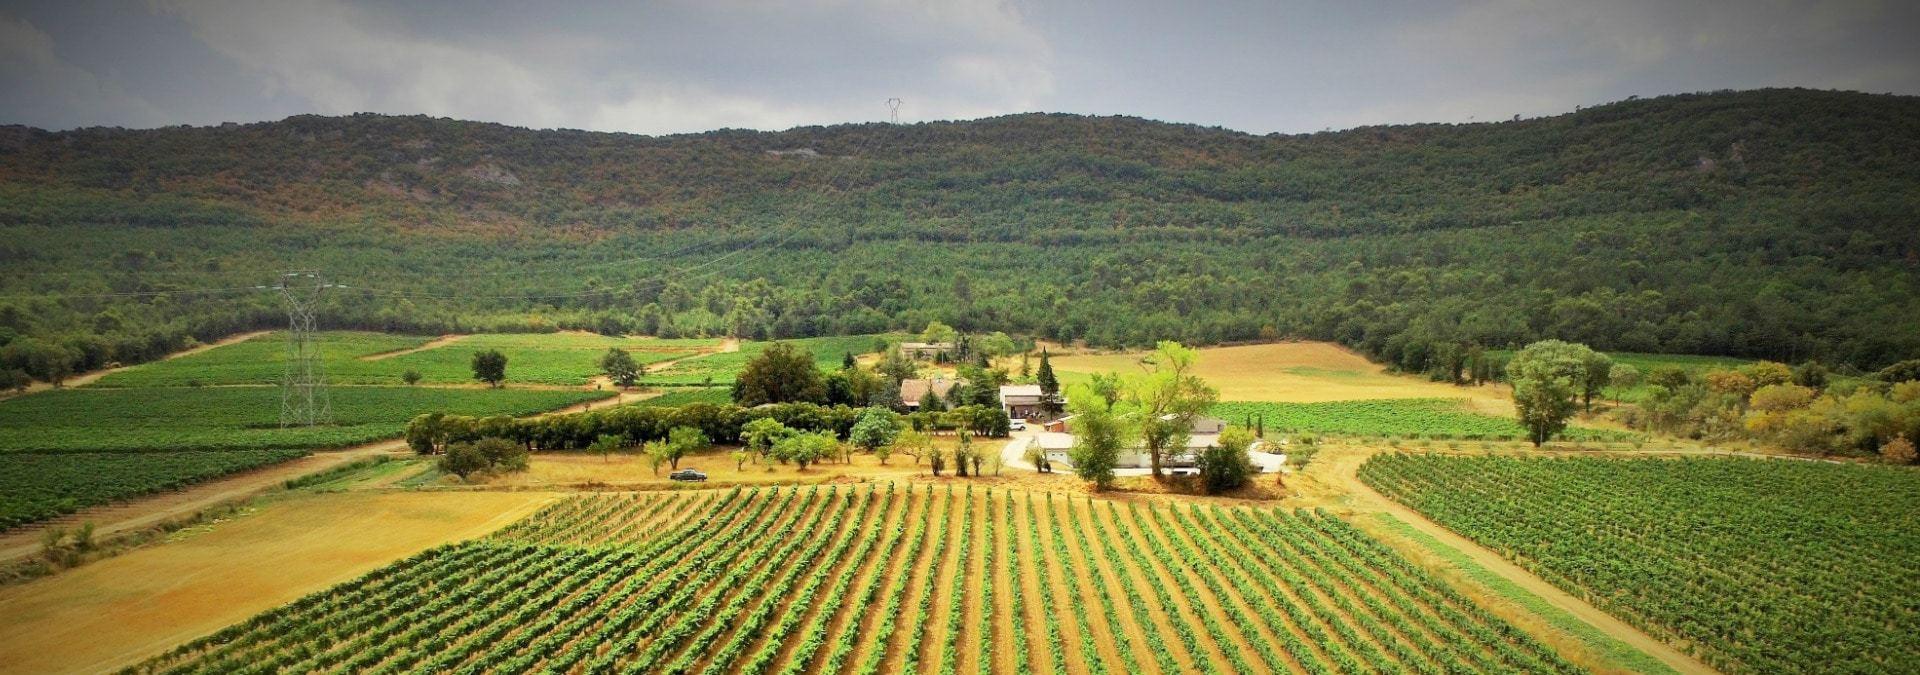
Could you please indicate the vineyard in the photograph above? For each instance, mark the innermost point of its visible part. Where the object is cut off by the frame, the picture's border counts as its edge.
(1405, 418)
(349, 358)
(1756, 566)
(867, 579)
(36, 487)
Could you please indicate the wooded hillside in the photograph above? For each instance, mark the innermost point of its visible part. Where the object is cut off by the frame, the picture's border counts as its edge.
(1775, 224)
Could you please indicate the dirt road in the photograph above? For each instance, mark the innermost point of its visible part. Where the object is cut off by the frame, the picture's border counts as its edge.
(435, 343)
(111, 519)
(1333, 476)
(92, 376)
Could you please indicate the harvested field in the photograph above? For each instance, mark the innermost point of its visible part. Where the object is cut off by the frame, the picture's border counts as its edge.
(117, 611)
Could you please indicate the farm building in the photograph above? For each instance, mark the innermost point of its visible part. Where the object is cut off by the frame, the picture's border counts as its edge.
(1209, 426)
(1205, 434)
(912, 390)
(1021, 401)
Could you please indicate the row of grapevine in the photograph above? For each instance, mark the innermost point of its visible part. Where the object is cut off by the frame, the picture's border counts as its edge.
(884, 578)
(1751, 565)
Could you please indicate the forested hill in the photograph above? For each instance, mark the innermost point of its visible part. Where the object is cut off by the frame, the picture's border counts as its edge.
(1776, 223)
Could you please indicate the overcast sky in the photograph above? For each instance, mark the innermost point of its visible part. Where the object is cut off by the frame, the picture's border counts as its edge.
(693, 65)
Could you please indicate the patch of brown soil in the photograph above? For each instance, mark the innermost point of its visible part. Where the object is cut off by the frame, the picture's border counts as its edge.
(117, 611)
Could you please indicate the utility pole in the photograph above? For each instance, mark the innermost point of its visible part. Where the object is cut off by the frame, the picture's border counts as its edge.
(893, 106)
(304, 401)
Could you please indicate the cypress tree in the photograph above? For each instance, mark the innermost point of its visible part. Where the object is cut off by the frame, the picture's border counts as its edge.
(1049, 385)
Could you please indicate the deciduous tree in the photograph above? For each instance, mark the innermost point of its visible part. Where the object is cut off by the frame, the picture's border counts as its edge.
(605, 446)
(463, 460)
(1100, 432)
(782, 373)
(1547, 377)
(876, 429)
(619, 366)
(490, 366)
(683, 441)
(761, 435)
(805, 449)
(1169, 399)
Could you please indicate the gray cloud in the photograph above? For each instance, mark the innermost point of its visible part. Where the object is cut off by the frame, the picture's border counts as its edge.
(690, 65)
(44, 89)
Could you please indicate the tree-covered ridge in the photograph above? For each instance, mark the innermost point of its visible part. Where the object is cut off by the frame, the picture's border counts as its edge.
(1771, 224)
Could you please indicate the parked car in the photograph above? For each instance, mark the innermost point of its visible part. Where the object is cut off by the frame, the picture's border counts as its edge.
(687, 474)
(1016, 424)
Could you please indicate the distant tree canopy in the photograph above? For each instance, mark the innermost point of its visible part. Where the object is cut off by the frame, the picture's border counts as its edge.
(1773, 224)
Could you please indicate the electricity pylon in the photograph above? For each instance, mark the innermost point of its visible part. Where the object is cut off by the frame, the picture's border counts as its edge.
(304, 400)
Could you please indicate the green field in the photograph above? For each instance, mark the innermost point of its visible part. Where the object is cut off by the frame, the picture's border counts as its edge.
(1406, 418)
(238, 418)
(720, 369)
(557, 358)
(261, 360)
(35, 486)
(537, 358)
(1763, 566)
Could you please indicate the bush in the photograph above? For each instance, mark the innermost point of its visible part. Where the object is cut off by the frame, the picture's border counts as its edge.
(464, 459)
(1226, 466)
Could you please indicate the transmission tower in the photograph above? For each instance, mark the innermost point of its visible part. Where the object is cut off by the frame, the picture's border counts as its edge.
(304, 400)
(893, 106)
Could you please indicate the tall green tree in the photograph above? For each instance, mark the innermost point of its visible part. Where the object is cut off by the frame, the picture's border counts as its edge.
(619, 366)
(1170, 398)
(490, 366)
(876, 428)
(1051, 403)
(683, 441)
(781, 373)
(1547, 378)
(1100, 432)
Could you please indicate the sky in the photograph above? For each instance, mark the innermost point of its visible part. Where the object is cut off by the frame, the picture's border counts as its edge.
(675, 66)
